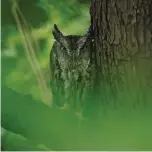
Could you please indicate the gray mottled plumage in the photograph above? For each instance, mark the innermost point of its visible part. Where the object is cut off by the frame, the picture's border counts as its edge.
(72, 70)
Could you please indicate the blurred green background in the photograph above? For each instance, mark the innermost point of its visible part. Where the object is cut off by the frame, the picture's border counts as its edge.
(72, 16)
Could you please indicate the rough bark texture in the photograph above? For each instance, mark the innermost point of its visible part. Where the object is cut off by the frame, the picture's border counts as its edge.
(122, 28)
(123, 32)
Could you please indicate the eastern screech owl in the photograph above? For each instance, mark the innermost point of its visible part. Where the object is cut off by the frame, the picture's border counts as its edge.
(72, 68)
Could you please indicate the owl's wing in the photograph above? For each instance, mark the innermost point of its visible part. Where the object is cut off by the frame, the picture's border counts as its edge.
(53, 62)
(56, 86)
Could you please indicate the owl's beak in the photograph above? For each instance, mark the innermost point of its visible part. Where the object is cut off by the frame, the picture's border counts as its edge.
(73, 56)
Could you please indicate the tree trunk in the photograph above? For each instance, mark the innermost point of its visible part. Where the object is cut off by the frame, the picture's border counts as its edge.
(121, 28)
(123, 42)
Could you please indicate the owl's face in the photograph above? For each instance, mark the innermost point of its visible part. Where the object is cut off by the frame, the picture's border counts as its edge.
(73, 51)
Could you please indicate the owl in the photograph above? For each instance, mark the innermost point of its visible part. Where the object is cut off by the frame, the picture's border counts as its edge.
(72, 67)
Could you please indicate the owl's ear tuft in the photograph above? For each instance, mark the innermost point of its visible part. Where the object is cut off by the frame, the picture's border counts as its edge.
(83, 38)
(56, 28)
(88, 34)
(57, 33)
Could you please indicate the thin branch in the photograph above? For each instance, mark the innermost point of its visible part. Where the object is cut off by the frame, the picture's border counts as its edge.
(30, 54)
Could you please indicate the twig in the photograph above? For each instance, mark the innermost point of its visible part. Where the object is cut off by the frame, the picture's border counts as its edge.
(31, 56)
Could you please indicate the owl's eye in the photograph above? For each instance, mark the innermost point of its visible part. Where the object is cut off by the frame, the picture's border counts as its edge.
(70, 52)
(84, 48)
(63, 50)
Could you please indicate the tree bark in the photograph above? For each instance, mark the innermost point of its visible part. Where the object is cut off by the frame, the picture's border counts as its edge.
(122, 31)
(121, 28)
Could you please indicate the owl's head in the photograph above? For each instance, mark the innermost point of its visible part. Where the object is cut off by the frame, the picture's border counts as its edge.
(72, 45)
